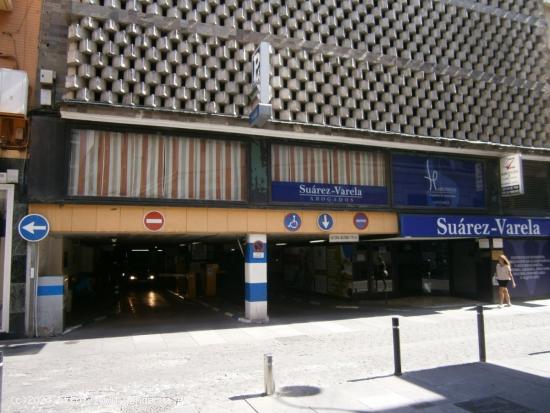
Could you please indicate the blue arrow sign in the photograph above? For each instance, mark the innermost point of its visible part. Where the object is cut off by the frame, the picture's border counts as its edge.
(325, 222)
(33, 227)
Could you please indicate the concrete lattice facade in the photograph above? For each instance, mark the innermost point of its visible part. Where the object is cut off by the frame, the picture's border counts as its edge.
(464, 70)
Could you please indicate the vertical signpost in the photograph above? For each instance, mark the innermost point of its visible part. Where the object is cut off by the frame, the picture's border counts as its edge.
(261, 89)
(511, 175)
(33, 228)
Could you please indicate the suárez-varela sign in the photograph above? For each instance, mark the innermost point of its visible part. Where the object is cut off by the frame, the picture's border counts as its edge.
(456, 226)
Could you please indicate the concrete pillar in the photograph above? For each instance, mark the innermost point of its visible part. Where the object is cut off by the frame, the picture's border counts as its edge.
(51, 288)
(50, 294)
(255, 273)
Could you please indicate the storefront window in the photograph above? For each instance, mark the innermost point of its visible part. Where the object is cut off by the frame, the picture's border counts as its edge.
(134, 165)
(320, 175)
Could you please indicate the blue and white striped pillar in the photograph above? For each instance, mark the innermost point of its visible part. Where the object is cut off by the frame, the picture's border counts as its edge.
(255, 273)
(50, 294)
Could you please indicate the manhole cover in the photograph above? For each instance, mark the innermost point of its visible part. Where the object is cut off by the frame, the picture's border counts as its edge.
(493, 405)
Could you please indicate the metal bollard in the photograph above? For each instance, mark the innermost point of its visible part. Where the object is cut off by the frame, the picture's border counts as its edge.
(481, 334)
(268, 375)
(1, 376)
(396, 346)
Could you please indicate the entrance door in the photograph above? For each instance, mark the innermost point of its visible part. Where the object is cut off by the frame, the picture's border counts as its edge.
(6, 224)
(464, 255)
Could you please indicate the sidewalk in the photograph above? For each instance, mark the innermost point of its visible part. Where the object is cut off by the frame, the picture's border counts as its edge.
(517, 386)
(323, 363)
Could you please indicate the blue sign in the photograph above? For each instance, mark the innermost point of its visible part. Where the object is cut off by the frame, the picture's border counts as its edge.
(304, 192)
(33, 227)
(530, 261)
(360, 220)
(437, 182)
(260, 115)
(293, 222)
(325, 222)
(451, 226)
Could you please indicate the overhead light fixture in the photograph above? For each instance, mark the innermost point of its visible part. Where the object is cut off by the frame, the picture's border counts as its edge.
(182, 245)
(317, 241)
(232, 249)
(113, 240)
(140, 250)
(281, 244)
(160, 250)
(195, 243)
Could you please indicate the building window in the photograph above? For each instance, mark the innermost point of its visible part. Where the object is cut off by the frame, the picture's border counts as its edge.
(321, 175)
(136, 165)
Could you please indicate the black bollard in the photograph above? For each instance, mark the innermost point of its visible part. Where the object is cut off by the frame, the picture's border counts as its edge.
(396, 346)
(481, 334)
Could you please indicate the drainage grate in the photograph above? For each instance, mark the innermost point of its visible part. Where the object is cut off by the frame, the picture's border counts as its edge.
(493, 405)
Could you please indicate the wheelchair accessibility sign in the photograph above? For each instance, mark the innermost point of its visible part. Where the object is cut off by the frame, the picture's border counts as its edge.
(293, 222)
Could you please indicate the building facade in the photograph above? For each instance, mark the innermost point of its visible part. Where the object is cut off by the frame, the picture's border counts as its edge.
(378, 172)
(18, 73)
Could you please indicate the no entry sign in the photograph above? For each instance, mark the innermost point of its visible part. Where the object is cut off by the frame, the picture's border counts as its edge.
(153, 220)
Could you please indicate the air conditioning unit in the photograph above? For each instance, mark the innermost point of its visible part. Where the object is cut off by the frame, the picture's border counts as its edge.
(6, 5)
(14, 91)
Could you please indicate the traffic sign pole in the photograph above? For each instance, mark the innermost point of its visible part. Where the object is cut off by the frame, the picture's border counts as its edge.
(32, 282)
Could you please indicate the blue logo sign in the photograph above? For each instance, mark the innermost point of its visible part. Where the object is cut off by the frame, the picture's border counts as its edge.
(293, 222)
(325, 222)
(33, 227)
(328, 193)
(360, 220)
(473, 226)
(437, 182)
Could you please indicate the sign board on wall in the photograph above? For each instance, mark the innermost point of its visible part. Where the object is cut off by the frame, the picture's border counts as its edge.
(304, 192)
(511, 175)
(466, 226)
(261, 87)
(343, 238)
(530, 265)
(427, 181)
(153, 220)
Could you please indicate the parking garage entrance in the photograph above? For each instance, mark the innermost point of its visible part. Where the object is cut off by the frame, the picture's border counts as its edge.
(108, 275)
(113, 262)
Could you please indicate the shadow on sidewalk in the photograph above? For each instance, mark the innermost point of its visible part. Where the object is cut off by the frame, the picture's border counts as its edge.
(474, 388)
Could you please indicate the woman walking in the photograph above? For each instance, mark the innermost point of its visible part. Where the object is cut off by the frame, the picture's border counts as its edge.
(504, 276)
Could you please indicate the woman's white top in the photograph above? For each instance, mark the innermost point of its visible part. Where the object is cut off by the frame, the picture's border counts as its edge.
(504, 272)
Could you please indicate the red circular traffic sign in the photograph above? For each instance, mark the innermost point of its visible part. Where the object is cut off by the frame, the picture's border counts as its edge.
(360, 220)
(153, 220)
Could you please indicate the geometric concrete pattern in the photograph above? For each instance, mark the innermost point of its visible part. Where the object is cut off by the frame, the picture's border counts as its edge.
(454, 69)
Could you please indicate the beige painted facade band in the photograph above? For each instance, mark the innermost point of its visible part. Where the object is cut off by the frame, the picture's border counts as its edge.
(123, 219)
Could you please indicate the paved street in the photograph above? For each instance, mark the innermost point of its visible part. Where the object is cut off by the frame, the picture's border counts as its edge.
(208, 361)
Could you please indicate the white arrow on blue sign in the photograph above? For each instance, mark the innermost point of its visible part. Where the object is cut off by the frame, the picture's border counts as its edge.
(325, 222)
(33, 227)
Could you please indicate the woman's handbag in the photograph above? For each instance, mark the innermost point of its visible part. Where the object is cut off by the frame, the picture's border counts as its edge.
(494, 280)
